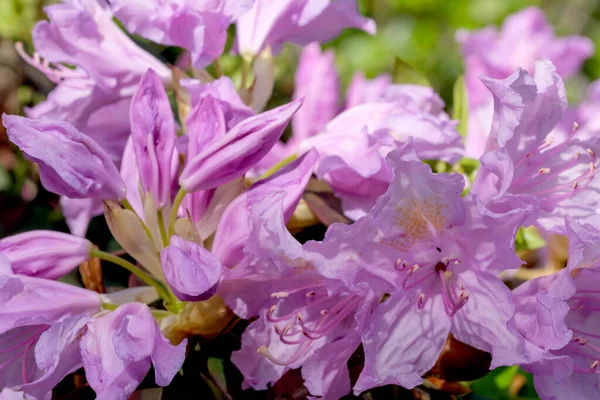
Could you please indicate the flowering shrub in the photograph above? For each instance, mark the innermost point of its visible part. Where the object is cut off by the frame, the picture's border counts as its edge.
(427, 215)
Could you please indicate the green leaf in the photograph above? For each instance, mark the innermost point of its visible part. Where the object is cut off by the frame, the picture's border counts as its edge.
(406, 73)
(528, 239)
(460, 105)
(505, 377)
(217, 373)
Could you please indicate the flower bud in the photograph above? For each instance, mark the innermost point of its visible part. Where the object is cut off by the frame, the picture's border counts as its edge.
(153, 136)
(232, 155)
(45, 254)
(71, 163)
(192, 271)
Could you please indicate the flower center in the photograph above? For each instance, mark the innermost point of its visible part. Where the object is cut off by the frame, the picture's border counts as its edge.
(431, 277)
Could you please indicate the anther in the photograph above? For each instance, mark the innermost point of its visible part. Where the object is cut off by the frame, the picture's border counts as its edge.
(422, 300)
(544, 171)
(591, 152)
(580, 341)
(310, 294)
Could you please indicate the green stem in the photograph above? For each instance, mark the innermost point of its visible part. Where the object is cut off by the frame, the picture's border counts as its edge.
(145, 277)
(246, 65)
(161, 313)
(218, 70)
(161, 227)
(109, 306)
(178, 200)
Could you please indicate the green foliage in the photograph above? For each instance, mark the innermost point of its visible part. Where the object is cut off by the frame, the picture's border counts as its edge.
(498, 385)
(405, 73)
(528, 239)
(17, 17)
(460, 107)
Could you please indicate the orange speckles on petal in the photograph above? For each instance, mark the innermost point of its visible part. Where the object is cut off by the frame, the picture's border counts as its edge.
(417, 220)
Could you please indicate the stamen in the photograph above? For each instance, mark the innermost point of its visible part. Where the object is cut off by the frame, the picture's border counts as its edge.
(422, 301)
(24, 365)
(296, 290)
(272, 309)
(452, 302)
(426, 275)
(345, 308)
(262, 350)
(24, 342)
(57, 74)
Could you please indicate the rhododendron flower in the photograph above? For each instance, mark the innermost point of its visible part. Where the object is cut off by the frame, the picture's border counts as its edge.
(523, 160)
(436, 254)
(525, 37)
(233, 230)
(95, 96)
(198, 26)
(118, 349)
(557, 315)
(353, 145)
(271, 24)
(39, 322)
(301, 313)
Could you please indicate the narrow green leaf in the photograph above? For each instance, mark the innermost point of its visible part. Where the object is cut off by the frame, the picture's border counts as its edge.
(406, 73)
(460, 105)
(217, 373)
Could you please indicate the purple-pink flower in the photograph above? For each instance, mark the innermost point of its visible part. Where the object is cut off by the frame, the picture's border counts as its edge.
(271, 24)
(95, 95)
(557, 315)
(352, 145)
(525, 37)
(40, 322)
(234, 226)
(523, 160)
(302, 314)
(118, 349)
(198, 26)
(436, 254)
